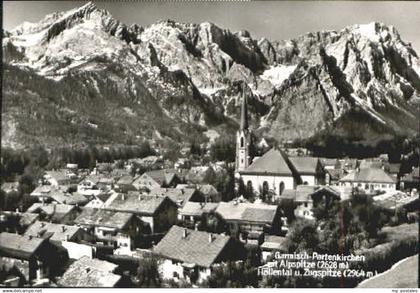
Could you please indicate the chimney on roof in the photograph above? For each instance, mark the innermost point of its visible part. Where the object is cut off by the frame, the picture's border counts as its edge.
(122, 196)
(17, 210)
(42, 224)
(184, 233)
(67, 237)
(30, 237)
(63, 228)
(210, 238)
(196, 226)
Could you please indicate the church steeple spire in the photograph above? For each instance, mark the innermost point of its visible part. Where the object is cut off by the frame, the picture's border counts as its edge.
(244, 111)
(243, 137)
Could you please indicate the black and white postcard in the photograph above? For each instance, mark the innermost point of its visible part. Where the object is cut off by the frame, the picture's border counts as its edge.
(210, 144)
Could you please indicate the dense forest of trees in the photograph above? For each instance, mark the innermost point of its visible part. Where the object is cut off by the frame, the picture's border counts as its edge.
(27, 166)
(15, 162)
(334, 146)
(223, 149)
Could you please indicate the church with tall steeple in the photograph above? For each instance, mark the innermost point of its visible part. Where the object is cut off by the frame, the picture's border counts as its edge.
(274, 171)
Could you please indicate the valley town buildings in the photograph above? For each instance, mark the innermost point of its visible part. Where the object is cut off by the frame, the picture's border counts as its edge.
(85, 222)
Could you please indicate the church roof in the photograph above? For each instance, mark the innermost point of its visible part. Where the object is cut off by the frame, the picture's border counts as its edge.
(305, 165)
(272, 162)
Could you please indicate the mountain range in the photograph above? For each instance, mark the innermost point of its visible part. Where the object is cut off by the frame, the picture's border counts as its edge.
(81, 77)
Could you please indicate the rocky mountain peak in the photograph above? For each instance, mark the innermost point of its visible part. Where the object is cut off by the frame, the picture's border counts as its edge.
(192, 72)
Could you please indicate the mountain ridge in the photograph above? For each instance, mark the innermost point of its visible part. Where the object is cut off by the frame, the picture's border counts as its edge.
(190, 76)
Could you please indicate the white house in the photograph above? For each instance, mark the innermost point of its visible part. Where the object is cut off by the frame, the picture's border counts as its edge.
(369, 179)
(191, 255)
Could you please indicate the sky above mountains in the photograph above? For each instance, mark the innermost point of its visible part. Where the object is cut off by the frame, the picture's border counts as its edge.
(275, 20)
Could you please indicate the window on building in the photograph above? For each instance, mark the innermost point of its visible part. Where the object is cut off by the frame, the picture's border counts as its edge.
(265, 187)
(249, 188)
(242, 142)
(281, 188)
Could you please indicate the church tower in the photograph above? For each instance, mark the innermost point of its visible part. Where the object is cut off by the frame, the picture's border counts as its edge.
(243, 137)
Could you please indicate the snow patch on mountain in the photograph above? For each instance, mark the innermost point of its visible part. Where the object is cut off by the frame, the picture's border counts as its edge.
(368, 31)
(277, 74)
(28, 40)
(210, 91)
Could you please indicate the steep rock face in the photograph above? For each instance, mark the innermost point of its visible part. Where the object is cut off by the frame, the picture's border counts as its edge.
(88, 50)
(180, 80)
(365, 69)
(300, 108)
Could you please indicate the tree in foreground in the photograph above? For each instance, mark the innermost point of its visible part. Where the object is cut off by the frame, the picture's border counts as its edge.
(148, 273)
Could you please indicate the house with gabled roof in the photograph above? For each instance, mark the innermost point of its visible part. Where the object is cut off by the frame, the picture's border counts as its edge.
(330, 163)
(306, 197)
(111, 227)
(101, 200)
(250, 219)
(86, 272)
(209, 192)
(159, 212)
(59, 177)
(43, 192)
(125, 184)
(191, 255)
(193, 212)
(57, 232)
(74, 198)
(390, 202)
(90, 185)
(411, 180)
(74, 239)
(34, 257)
(16, 222)
(180, 196)
(58, 194)
(156, 178)
(272, 244)
(56, 213)
(369, 180)
(332, 176)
